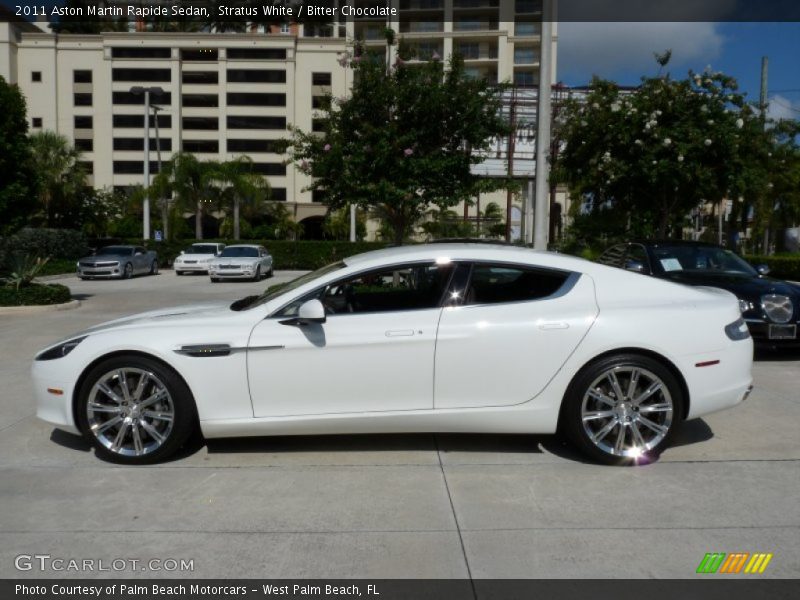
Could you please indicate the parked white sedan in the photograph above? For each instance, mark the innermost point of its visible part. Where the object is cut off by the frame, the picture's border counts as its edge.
(196, 258)
(242, 261)
(446, 337)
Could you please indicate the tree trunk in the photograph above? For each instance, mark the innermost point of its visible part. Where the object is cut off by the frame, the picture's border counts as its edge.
(399, 229)
(236, 219)
(198, 221)
(663, 223)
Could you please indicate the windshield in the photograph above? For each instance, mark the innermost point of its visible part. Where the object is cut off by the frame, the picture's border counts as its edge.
(239, 251)
(202, 249)
(114, 251)
(705, 259)
(282, 288)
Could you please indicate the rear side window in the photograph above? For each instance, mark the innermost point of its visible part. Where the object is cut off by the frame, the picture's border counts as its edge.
(496, 284)
(613, 257)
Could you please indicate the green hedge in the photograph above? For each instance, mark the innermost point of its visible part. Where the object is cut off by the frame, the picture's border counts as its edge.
(34, 294)
(780, 267)
(300, 255)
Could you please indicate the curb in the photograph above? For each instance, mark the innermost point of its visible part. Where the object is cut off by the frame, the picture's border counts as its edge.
(26, 310)
(56, 277)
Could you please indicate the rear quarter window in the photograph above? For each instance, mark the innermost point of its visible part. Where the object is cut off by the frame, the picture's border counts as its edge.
(496, 284)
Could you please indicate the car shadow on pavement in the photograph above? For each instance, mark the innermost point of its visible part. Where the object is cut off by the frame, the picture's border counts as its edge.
(692, 432)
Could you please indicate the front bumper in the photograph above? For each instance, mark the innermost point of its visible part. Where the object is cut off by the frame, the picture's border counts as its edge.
(759, 330)
(191, 267)
(99, 271)
(232, 274)
(53, 400)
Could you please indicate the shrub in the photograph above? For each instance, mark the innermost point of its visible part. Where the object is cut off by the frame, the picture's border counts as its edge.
(780, 267)
(294, 255)
(56, 243)
(34, 295)
(24, 269)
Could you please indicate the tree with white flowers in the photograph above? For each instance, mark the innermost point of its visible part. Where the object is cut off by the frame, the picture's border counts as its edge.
(640, 160)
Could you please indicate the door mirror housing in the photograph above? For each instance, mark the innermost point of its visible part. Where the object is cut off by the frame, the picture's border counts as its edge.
(634, 265)
(311, 311)
(183, 252)
(762, 269)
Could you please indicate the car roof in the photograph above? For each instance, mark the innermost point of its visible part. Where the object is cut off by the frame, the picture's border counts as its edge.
(673, 243)
(468, 251)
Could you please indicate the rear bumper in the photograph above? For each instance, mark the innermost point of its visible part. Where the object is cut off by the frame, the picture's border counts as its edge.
(724, 384)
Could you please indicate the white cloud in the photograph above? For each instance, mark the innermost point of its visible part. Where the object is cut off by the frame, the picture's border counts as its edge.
(626, 49)
(781, 108)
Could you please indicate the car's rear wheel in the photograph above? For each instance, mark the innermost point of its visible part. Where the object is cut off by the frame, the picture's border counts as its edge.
(134, 410)
(154, 268)
(623, 409)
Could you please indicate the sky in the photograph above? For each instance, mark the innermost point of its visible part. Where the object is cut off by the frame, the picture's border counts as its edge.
(623, 52)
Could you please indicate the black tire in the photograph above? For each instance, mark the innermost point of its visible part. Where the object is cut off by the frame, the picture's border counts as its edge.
(214, 280)
(257, 276)
(179, 273)
(127, 272)
(154, 268)
(270, 273)
(586, 417)
(184, 413)
(82, 277)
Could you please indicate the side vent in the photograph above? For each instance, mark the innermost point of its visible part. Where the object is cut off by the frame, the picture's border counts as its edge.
(205, 350)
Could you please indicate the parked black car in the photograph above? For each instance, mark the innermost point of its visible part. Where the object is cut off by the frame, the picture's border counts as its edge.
(770, 307)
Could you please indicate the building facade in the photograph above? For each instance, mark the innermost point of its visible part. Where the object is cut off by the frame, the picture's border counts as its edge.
(228, 94)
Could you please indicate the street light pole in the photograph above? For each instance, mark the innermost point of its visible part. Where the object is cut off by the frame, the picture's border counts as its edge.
(157, 91)
(164, 206)
(146, 205)
(541, 222)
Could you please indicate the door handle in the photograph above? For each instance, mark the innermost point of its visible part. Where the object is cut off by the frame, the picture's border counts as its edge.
(554, 325)
(400, 333)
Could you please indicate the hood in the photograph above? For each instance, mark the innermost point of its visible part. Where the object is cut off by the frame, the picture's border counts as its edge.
(177, 314)
(95, 258)
(744, 286)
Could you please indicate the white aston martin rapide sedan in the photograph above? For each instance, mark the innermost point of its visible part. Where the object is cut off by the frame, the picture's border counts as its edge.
(429, 338)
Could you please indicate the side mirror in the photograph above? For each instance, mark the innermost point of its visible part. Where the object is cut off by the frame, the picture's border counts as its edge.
(634, 265)
(182, 252)
(762, 269)
(311, 311)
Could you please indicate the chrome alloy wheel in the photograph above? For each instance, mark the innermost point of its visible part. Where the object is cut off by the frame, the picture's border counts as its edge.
(627, 411)
(130, 411)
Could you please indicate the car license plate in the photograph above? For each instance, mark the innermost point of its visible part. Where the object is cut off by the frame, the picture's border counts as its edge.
(782, 332)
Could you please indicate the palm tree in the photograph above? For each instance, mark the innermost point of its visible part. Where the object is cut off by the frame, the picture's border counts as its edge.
(187, 179)
(235, 182)
(61, 177)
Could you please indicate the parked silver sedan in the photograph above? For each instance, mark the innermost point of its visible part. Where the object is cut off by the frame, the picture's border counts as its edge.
(242, 261)
(122, 262)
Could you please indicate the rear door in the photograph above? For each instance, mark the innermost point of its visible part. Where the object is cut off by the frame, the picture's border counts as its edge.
(512, 329)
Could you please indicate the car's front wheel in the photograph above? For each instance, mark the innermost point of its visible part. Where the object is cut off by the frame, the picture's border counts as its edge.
(135, 410)
(127, 272)
(623, 409)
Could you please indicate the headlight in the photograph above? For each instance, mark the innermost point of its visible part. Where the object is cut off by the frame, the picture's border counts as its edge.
(737, 330)
(745, 305)
(61, 350)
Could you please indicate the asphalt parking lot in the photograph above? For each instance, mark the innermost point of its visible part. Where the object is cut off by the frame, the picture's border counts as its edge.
(421, 506)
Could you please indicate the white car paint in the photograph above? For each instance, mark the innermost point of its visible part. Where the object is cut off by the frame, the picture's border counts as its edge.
(480, 368)
(228, 265)
(196, 262)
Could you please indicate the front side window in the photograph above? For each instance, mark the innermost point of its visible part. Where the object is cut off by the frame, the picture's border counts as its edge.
(396, 288)
(497, 283)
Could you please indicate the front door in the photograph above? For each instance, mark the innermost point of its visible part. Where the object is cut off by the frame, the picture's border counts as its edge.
(374, 353)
